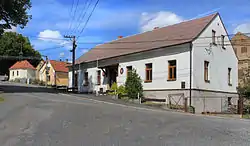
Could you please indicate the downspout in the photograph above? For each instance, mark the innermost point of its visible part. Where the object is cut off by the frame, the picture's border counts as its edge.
(190, 75)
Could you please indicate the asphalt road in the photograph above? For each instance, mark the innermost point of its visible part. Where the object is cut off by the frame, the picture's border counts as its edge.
(34, 117)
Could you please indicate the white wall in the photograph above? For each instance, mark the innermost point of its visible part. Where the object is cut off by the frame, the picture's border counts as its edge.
(219, 60)
(22, 73)
(31, 73)
(159, 59)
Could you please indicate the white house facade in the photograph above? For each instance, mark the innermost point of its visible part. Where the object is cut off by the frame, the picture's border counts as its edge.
(198, 66)
(22, 70)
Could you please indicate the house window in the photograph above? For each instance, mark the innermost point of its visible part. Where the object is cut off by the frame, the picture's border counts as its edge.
(13, 73)
(129, 70)
(172, 70)
(213, 37)
(17, 73)
(229, 101)
(206, 75)
(48, 77)
(229, 76)
(223, 41)
(98, 77)
(148, 72)
(182, 85)
(243, 49)
(86, 79)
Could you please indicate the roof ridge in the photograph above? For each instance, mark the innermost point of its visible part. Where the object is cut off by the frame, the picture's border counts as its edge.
(189, 20)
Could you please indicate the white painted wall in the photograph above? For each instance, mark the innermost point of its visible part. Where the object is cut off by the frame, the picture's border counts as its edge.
(22, 74)
(220, 60)
(159, 59)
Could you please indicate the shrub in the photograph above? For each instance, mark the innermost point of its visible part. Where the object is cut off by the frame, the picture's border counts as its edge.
(17, 80)
(113, 89)
(35, 81)
(133, 85)
(121, 91)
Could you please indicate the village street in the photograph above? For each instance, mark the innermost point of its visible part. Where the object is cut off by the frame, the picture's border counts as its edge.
(36, 116)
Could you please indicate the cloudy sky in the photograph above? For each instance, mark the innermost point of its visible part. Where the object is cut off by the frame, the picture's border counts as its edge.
(51, 19)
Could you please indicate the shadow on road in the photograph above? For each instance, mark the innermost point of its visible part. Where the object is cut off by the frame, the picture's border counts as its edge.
(25, 89)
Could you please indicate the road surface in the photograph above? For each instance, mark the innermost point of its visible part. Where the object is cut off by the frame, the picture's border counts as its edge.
(30, 116)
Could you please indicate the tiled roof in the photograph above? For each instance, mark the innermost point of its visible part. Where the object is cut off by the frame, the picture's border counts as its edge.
(59, 66)
(183, 32)
(22, 65)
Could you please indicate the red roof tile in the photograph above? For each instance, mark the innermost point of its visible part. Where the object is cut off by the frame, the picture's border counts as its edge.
(183, 32)
(22, 65)
(59, 66)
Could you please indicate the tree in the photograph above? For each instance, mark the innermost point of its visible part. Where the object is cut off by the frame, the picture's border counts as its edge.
(133, 85)
(13, 13)
(12, 44)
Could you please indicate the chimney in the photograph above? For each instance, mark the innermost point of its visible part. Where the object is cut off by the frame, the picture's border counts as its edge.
(119, 37)
(156, 28)
(67, 60)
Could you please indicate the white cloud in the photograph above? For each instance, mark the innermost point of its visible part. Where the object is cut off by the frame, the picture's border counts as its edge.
(62, 54)
(243, 28)
(49, 35)
(159, 19)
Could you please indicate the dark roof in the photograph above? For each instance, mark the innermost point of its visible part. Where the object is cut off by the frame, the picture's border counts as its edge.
(59, 66)
(22, 65)
(180, 33)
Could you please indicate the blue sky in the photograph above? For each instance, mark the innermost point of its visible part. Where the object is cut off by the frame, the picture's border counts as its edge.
(113, 18)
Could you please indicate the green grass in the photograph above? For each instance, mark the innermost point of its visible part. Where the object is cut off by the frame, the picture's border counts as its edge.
(247, 116)
(1, 99)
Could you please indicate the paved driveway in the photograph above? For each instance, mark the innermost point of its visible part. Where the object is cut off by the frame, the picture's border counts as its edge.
(32, 117)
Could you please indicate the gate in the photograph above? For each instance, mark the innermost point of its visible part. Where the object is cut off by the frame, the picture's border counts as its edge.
(177, 101)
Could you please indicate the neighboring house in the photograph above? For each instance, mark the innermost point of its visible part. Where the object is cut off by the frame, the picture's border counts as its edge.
(188, 59)
(57, 73)
(22, 70)
(241, 46)
(38, 68)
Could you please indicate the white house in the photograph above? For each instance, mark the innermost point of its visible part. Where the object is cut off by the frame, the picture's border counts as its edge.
(191, 59)
(22, 70)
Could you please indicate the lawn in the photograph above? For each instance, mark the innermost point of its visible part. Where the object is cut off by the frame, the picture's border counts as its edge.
(246, 116)
(1, 99)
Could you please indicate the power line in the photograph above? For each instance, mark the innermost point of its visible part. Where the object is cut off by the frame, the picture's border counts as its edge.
(70, 12)
(89, 17)
(83, 14)
(50, 48)
(72, 22)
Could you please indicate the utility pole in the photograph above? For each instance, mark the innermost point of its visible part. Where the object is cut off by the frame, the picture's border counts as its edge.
(73, 38)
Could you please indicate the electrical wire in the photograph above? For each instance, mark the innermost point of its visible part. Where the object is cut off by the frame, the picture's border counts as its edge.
(72, 22)
(88, 18)
(82, 15)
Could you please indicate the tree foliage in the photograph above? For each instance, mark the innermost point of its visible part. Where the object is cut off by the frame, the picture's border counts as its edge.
(133, 85)
(13, 13)
(11, 44)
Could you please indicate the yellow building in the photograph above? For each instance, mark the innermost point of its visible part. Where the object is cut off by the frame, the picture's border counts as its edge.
(56, 71)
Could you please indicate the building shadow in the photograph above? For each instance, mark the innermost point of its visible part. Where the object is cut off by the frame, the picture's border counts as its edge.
(13, 88)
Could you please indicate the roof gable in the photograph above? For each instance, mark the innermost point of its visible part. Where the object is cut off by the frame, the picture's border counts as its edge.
(22, 65)
(59, 66)
(176, 34)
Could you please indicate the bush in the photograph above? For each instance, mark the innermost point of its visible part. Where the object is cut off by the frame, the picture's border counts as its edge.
(113, 89)
(133, 85)
(17, 80)
(121, 91)
(35, 82)
(42, 83)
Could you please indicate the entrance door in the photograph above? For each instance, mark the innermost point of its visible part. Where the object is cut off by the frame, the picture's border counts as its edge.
(113, 72)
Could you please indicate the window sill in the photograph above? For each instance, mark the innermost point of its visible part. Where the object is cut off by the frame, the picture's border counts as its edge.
(207, 81)
(149, 81)
(171, 80)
